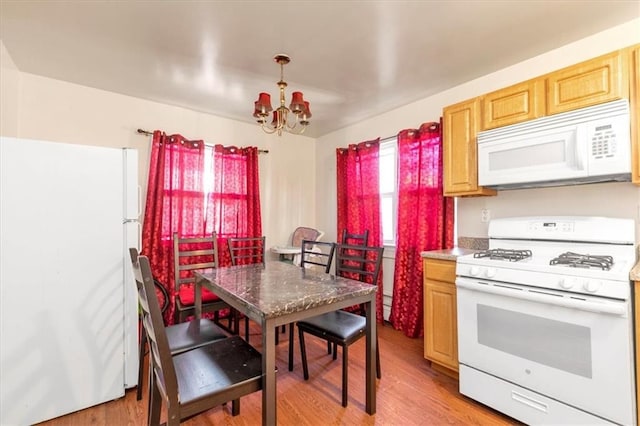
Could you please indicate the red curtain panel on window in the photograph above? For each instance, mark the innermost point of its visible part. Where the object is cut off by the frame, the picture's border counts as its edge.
(233, 203)
(425, 221)
(195, 190)
(358, 191)
(175, 203)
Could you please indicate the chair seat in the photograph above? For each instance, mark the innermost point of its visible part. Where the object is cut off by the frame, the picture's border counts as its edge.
(185, 336)
(337, 325)
(187, 296)
(230, 367)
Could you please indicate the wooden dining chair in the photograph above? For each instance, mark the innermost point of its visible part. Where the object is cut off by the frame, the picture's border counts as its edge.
(342, 328)
(311, 253)
(180, 337)
(355, 239)
(191, 254)
(314, 253)
(244, 251)
(317, 253)
(197, 380)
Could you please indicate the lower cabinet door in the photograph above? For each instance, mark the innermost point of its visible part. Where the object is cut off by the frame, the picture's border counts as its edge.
(440, 318)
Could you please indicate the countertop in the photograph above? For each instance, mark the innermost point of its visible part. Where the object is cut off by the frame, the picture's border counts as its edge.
(447, 254)
(466, 245)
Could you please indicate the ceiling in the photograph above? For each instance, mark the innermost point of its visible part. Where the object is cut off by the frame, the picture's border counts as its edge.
(351, 59)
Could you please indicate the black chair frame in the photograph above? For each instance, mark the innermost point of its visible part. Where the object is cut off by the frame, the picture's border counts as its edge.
(342, 328)
(196, 380)
(246, 250)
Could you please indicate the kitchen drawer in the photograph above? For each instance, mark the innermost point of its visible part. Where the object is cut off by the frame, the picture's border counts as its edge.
(440, 270)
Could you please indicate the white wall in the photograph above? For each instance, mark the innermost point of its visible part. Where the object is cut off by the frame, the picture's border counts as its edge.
(35, 107)
(613, 199)
(9, 85)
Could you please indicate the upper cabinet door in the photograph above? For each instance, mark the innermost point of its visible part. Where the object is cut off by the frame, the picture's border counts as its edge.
(592, 82)
(460, 150)
(514, 104)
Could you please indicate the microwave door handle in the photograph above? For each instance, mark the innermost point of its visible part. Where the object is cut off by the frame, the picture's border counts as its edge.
(580, 146)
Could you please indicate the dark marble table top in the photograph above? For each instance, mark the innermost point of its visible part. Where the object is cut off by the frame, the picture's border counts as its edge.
(281, 288)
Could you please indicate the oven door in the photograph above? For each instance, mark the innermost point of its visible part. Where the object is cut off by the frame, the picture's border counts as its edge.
(570, 348)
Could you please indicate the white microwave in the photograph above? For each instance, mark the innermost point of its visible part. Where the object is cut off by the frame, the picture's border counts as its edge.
(591, 144)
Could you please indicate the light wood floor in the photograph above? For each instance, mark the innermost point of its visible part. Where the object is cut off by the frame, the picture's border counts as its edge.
(409, 393)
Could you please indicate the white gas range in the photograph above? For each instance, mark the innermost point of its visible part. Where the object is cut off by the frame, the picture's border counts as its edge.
(545, 320)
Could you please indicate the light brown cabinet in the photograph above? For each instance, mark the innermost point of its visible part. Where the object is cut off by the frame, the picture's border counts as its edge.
(460, 162)
(592, 82)
(440, 315)
(605, 78)
(514, 104)
(634, 60)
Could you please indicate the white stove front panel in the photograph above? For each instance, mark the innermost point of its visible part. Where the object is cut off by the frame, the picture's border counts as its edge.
(582, 357)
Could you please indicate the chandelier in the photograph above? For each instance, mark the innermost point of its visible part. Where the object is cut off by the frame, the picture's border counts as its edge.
(294, 119)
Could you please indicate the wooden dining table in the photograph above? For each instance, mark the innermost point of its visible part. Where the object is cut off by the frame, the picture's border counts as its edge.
(280, 293)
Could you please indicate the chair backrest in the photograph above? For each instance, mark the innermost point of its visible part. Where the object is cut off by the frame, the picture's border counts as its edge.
(360, 263)
(304, 233)
(160, 359)
(247, 250)
(355, 239)
(317, 253)
(190, 254)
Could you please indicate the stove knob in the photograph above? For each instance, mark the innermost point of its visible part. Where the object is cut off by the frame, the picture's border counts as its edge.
(592, 285)
(474, 271)
(490, 273)
(567, 283)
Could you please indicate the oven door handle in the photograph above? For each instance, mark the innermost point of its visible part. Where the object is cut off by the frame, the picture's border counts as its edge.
(612, 308)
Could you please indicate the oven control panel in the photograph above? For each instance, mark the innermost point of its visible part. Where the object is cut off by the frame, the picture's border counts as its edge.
(565, 228)
(551, 227)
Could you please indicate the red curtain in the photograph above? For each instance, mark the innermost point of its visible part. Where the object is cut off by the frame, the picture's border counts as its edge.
(194, 190)
(358, 191)
(425, 221)
(233, 205)
(175, 203)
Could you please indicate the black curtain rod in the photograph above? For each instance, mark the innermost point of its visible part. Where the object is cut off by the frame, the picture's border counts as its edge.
(148, 133)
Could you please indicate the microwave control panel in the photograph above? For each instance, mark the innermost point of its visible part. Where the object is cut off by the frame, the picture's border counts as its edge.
(603, 142)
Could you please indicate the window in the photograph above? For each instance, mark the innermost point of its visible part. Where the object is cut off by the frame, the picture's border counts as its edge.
(227, 199)
(388, 189)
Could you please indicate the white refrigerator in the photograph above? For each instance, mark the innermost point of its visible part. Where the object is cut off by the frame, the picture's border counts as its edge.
(68, 303)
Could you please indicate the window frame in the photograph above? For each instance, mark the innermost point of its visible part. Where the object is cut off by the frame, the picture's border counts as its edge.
(389, 146)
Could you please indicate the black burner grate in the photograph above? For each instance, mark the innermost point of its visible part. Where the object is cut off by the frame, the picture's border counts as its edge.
(578, 260)
(504, 254)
